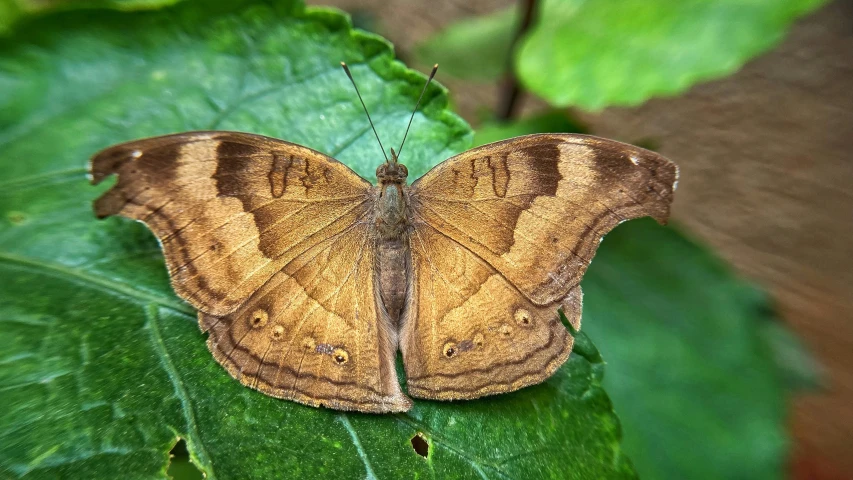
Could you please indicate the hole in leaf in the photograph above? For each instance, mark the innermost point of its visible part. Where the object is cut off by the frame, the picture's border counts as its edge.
(180, 465)
(16, 218)
(420, 445)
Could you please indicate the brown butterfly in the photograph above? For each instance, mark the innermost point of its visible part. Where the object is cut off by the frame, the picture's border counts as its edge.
(309, 278)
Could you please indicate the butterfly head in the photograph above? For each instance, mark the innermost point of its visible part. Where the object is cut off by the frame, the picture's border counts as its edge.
(392, 171)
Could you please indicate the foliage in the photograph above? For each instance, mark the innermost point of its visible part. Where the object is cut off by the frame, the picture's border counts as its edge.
(103, 367)
(12, 11)
(593, 54)
(474, 48)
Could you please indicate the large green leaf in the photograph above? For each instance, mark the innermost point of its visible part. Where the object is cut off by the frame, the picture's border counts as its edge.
(102, 368)
(693, 381)
(698, 367)
(594, 54)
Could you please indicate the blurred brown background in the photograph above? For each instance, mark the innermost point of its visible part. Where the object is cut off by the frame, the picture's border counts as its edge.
(765, 180)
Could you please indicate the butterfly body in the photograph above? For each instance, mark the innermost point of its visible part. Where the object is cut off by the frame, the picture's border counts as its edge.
(309, 279)
(393, 219)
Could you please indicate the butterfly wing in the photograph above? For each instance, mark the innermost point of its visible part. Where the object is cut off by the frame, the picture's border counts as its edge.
(269, 241)
(504, 233)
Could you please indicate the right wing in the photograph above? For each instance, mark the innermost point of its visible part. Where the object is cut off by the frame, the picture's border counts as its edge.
(501, 236)
(536, 207)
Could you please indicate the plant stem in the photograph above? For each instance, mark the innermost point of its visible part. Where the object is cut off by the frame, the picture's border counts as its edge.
(511, 90)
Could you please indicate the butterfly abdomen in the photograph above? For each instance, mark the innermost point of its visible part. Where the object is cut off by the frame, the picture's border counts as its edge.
(393, 260)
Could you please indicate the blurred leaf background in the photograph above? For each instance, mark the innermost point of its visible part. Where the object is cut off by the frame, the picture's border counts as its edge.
(700, 370)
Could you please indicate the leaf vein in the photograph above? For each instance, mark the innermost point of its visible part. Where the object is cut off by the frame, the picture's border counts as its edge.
(344, 419)
(110, 286)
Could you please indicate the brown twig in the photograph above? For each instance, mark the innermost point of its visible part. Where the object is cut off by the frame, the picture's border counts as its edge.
(510, 89)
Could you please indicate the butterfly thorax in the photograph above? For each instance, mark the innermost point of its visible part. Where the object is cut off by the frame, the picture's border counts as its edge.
(392, 220)
(391, 216)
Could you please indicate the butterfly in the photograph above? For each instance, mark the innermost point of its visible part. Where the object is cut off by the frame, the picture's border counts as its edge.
(309, 279)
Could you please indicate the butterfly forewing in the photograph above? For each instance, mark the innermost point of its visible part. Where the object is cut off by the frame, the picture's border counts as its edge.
(270, 242)
(230, 209)
(536, 207)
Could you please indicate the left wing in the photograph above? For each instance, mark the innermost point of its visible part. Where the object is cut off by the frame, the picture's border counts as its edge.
(313, 333)
(230, 209)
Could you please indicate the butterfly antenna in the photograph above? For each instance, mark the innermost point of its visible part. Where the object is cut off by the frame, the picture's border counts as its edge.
(346, 69)
(434, 69)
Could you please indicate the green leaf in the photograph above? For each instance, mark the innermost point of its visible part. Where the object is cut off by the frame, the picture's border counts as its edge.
(594, 54)
(13, 11)
(688, 368)
(699, 368)
(103, 368)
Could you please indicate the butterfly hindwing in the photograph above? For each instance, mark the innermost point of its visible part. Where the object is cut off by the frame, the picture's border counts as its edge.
(270, 242)
(469, 332)
(310, 334)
